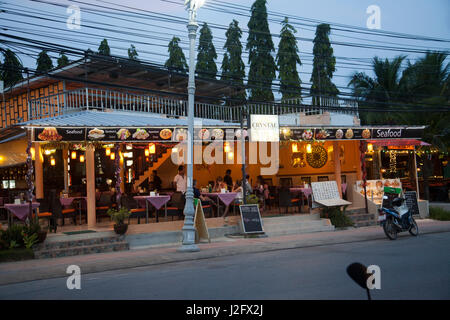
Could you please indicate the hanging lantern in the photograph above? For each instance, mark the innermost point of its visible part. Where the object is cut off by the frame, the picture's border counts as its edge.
(152, 148)
(113, 156)
(74, 155)
(108, 151)
(81, 158)
(230, 155)
(308, 148)
(52, 161)
(370, 147)
(146, 152)
(294, 148)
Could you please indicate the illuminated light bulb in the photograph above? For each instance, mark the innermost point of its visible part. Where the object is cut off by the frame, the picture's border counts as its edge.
(74, 155)
(152, 148)
(294, 148)
(129, 146)
(146, 152)
(113, 156)
(52, 161)
(370, 147)
(81, 158)
(308, 148)
(226, 147)
(108, 151)
(230, 155)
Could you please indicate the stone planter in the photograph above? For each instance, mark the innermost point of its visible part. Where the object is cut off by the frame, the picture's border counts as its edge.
(121, 228)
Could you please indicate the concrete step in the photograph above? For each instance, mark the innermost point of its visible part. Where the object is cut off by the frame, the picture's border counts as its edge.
(74, 242)
(299, 230)
(83, 249)
(296, 225)
(361, 217)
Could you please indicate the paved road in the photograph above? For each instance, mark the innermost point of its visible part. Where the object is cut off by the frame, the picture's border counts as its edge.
(411, 268)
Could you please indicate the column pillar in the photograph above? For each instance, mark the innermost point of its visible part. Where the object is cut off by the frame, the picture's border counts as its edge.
(337, 166)
(65, 156)
(358, 161)
(38, 171)
(90, 185)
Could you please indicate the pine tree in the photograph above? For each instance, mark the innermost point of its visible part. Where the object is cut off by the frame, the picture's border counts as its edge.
(176, 60)
(132, 53)
(11, 68)
(260, 46)
(233, 68)
(324, 65)
(287, 60)
(44, 62)
(104, 49)
(206, 66)
(62, 60)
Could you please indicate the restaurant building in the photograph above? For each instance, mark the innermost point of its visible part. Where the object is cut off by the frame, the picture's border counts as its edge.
(102, 124)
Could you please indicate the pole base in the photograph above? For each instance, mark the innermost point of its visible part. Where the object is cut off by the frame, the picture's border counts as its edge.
(188, 248)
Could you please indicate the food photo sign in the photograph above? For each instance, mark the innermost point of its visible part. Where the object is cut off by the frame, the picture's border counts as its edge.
(375, 188)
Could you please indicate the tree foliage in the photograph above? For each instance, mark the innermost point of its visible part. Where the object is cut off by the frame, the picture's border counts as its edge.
(262, 70)
(62, 60)
(132, 53)
(206, 66)
(324, 65)
(287, 61)
(177, 60)
(104, 49)
(233, 68)
(44, 62)
(10, 68)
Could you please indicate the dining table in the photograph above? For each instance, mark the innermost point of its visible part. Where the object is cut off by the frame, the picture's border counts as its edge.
(157, 201)
(226, 197)
(19, 210)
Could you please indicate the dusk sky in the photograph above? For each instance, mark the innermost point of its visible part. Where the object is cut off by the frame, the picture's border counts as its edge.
(421, 18)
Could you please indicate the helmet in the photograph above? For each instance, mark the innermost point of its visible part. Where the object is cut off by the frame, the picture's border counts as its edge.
(397, 202)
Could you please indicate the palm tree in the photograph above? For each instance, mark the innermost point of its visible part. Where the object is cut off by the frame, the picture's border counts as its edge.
(379, 92)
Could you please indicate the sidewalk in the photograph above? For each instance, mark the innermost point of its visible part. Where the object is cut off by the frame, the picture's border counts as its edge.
(20, 271)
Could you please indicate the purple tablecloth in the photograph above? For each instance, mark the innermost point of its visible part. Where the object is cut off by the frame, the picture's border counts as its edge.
(226, 198)
(21, 210)
(156, 201)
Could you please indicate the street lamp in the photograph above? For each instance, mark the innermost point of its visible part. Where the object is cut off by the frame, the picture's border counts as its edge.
(188, 244)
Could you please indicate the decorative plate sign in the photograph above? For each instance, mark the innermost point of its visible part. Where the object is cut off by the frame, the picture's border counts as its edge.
(96, 134)
(180, 135)
(322, 134)
(318, 157)
(307, 134)
(165, 134)
(123, 134)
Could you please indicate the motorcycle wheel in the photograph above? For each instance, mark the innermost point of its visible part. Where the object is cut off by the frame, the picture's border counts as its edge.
(389, 229)
(414, 229)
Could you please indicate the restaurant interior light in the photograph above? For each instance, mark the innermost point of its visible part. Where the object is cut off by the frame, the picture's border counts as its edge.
(74, 155)
(370, 147)
(49, 151)
(129, 147)
(152, 148)
(308, 148)
(129, 162)
(81, 158)
(146, 152)
(294, 148)
(33, 152)
(113, 156)
(230, 155)
(108, 151)
(52, 161)
(128, 155)
(226, 147)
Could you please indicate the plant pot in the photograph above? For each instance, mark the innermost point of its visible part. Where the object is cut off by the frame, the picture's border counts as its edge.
(121, 228)
(42, 235)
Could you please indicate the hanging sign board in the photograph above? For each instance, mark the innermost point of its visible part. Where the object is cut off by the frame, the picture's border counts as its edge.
(264, 128)
(251, 218)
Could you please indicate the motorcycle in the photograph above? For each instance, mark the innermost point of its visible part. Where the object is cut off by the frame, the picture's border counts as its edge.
(398, 219)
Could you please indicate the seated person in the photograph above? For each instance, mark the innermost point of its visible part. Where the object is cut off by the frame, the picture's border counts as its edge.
(219, 185)
(204, 199)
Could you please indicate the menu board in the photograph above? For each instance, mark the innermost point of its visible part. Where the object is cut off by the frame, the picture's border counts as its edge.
(375, 188)
(251, 218)
(411, 202)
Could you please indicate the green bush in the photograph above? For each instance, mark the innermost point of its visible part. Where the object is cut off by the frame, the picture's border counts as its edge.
(13, 235)
(437, 213)
(16, 254)
(337, 217)
(119, 216)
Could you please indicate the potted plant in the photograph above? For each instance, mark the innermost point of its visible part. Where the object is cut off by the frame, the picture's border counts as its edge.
(119, 216)
(252, 199)
(35, 227)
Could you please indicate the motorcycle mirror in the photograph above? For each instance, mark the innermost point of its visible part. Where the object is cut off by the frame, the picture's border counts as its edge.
(358, 272)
